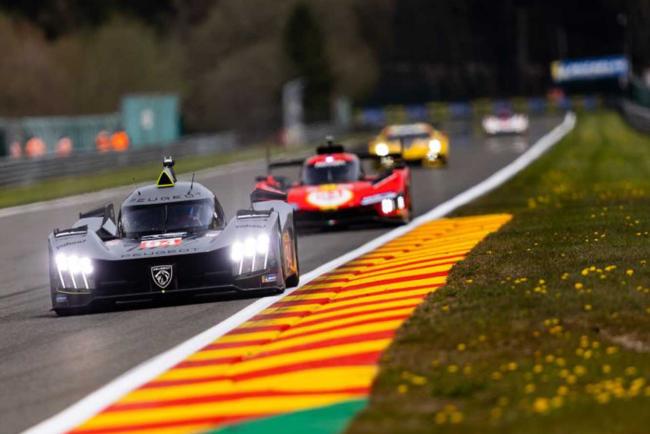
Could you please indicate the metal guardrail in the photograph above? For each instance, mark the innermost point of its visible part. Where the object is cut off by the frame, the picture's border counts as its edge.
(25, 171)
(437, 112)
(637, 115)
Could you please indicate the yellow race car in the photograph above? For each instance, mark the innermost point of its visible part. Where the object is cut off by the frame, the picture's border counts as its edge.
(418, 142)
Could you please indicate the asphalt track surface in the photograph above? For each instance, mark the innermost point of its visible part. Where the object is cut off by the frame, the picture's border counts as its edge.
(48, 363)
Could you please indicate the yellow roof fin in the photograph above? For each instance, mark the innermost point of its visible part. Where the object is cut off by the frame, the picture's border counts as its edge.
(167, 177)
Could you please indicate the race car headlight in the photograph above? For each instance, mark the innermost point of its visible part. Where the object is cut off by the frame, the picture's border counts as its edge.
(251, 254)
(74, 264)
(61, 262)
(237, 251)
(435, 146)
(387, 206)
(381, 149)
(74, 271)
(249, 247)
(262, 244)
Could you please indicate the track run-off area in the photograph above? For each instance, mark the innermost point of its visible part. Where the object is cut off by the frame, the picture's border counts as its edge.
(103, 362)
(317, 347)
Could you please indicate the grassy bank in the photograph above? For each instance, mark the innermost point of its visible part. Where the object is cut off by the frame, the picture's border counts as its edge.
(545, 327)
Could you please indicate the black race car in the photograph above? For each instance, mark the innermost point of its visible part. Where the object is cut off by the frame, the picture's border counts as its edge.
(172, 238)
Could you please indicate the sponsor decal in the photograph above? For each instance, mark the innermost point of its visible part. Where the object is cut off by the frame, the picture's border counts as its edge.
(162, 275)
(329, 196)
(168, 242)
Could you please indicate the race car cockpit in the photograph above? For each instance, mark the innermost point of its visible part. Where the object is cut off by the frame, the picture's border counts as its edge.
(331, 171)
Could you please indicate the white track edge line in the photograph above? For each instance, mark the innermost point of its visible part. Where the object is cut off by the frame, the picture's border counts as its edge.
(95, 402)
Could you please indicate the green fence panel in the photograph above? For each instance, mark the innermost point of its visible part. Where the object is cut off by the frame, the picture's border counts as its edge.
(151, 119)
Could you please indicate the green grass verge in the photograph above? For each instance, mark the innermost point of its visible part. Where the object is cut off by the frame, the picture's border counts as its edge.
(69, 185)
(545, 327)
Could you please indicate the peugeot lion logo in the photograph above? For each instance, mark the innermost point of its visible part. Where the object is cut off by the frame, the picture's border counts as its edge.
(162, 275)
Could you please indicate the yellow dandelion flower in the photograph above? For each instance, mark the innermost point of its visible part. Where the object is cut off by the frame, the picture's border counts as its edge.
(440, 418)
(606, 369)
(579, 370)
(418, 380)
(578, 285)
(452, 369)
(629, 272)
(541, 405)
(402, 389)
(461, 347)
(529, 388)
(562, 390)
(630, 371)
(587, 307)
(456, 417)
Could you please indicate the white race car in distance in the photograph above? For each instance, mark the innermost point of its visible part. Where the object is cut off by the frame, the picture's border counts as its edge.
(505, 123)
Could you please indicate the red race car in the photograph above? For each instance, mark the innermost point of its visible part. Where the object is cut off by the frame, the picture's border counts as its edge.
(334, 190)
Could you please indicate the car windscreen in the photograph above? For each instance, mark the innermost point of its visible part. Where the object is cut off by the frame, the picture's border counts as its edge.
(408, 137)
(187, 216)
(331, 172)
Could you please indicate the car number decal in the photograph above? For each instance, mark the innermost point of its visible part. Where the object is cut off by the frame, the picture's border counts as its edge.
(168, 242)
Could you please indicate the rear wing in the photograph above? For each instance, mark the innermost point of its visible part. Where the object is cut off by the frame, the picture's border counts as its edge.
(266, 194)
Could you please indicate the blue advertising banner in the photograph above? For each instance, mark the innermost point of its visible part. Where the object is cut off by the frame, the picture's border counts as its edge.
(592, 68)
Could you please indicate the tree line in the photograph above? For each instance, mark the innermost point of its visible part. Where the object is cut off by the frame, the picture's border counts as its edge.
(228, 59)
